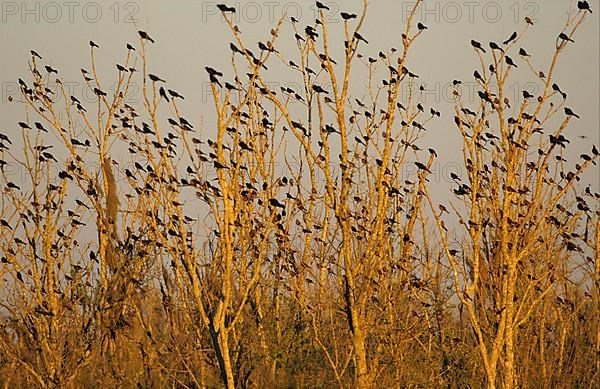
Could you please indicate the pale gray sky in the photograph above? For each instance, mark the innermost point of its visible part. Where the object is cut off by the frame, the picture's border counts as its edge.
(191, 34)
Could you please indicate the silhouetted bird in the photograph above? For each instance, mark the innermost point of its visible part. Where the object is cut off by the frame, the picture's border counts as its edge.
(584, 6)
(494, 46)
(93, 44)
(360, 37)
(477, 45)
(322, 6)
(318, 89)
(347, 16)
(155, 78)
(523, 53)
(510, 39)
(509, 61)
(213, 72)
(569, 112)
(49, 69)
(175, 94)
(162, 93)
(421, 26)
(225, 8)
(145, 36)
(422, 167)
(35, 54)
(129, 47)
(565, 37)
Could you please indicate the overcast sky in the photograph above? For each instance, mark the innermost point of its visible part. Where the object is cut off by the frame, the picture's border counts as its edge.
(191, 34)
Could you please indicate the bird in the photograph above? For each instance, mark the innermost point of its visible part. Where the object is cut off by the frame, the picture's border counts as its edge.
(35, 54)
(584, 6)
(565, 37)
(155, 78)
(348, 16)
(143, 35)
(523, 53)
(478, 76)
(494, 46)
(421, 166)
(24, 126)
(163, 94)
(49, 69)
(509, 61)
(213, 72)
(99, 92)
(93, 44)
(322, 6)
(224, 8)
(421, 26)
(477, 45)
(360, 37)
(174, 94)
(569, 112)
(318, 89)
(510, 39)
(129, 47)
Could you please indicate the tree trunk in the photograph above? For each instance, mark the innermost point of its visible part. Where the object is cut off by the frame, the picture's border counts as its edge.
(221, 346)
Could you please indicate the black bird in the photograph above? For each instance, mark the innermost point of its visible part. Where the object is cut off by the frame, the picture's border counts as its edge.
(213, 72)
(175, 94)
(145, 36)
(40, 127)
(276, 203)
(24, 126)
(49, 69)
(234, 48)
(155, 78)
(422, 167)
(163, 94)
(129, 47)
(322, 6)
(35, 54)
(347, 16)
(310, 32)
(528, 20)
(565, 37)
(477, 45)
(324, 59)
(219, 165)
(510, 39)
(421, 26)
(99, 92)
(595, 150)
(527, 95)
(556, 88)
(225, 8)
(494, 46)
(318, 89)
(523, 53)
(5, 138)
(93, 44)
(478, 76)
(121, 68)
(584, 6)
(569, 112)
(360, 37)
(509, 61)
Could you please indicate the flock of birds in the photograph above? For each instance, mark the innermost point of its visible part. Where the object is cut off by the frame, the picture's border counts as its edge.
(127, 115)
